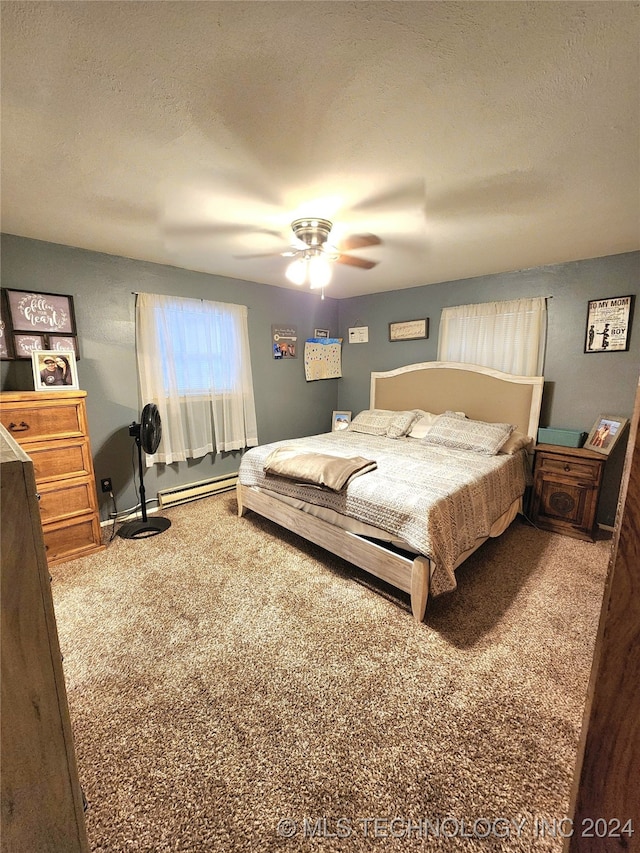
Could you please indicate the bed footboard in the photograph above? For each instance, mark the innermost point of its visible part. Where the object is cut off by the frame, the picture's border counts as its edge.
(409, 575)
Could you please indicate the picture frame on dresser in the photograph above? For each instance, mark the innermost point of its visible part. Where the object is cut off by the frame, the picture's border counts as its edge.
(605, 433)
(54, 370)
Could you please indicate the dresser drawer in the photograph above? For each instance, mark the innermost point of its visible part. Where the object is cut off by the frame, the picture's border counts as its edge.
(59, 502)
(72, 538)
(573, 468)
(51, 427)
(57, 460)
(35, 422)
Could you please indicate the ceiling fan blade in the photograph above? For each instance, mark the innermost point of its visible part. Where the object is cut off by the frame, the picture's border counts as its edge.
(409, 194)
(260, 255)
(358, 241)
(206, 229)
(353, 261)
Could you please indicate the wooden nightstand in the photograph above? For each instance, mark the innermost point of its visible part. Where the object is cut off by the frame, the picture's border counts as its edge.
(566, 488)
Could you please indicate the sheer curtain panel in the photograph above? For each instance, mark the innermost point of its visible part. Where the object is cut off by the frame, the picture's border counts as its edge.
(194, 364)
(508, 336)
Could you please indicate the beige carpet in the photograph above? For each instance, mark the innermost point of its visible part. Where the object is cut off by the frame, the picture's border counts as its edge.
(231, 686)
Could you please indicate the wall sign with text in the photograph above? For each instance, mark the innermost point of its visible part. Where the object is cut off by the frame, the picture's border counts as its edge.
(608, 324)
(33, 321)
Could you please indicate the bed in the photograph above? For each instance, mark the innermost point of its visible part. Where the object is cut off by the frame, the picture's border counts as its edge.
(406, 500)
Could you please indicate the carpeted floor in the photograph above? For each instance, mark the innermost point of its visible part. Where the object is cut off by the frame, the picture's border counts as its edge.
(235, 689)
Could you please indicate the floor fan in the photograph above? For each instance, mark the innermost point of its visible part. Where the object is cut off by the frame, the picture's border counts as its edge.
(147, 435)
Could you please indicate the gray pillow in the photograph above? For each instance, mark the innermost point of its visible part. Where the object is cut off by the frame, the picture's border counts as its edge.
(372, 421)
(465, 434)
(401, 423)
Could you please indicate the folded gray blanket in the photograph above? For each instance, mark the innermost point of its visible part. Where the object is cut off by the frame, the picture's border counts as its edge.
(317, 469)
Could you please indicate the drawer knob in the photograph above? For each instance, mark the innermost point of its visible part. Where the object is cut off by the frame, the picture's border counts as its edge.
(567, 467)
(21, 428)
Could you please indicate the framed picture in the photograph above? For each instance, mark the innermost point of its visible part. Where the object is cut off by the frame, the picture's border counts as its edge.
(284, 342)
(24, 345)
(54, 370)
(321, 333)
(608, 324)
(409, 330)
(60, 343)
(47, 313)
(340, 420)
(605, 433)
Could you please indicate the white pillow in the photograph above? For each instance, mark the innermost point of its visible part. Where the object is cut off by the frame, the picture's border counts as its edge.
(422, 426)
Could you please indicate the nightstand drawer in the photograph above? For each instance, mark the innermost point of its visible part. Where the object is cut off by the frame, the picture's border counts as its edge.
(574, 468)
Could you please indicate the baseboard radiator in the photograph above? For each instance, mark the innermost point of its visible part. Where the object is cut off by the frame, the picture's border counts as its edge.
(195, 491)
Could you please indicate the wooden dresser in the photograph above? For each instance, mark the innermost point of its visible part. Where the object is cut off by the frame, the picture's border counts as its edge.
(51, 427)
(41, 795)
(566, 488)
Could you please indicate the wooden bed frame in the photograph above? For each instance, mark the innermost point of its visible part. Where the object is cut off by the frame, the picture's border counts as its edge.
(481, 393)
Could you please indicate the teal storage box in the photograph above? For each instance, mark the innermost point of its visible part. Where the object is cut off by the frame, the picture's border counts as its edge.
(563, 437)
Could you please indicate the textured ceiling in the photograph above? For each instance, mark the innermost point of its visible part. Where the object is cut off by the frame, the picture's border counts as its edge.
(472, 137)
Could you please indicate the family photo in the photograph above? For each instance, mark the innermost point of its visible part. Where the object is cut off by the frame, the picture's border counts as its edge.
(54, 370)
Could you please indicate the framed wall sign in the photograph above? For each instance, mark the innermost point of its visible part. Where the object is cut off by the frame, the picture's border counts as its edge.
(321, 333)
(64, 342)
(54, 370)
(48, 313)
(608, 324)
(6, 341)
(409, 330)
(605, 433)
(24, 345)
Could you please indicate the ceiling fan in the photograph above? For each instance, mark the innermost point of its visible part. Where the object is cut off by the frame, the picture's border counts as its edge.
(313, 254)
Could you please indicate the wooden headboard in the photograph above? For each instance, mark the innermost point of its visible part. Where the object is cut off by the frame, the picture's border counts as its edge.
(481, 393)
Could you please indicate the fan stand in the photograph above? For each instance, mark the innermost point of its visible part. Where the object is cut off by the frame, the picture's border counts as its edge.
(142, 528)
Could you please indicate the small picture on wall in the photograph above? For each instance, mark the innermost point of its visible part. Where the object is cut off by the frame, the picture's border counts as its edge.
(284, 342)
(605, 433)
(340, 420)
(54, 370)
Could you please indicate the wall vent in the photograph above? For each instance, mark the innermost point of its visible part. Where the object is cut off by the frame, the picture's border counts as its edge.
(194, 491)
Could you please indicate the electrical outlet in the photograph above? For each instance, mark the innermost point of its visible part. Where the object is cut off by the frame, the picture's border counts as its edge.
(106, 484)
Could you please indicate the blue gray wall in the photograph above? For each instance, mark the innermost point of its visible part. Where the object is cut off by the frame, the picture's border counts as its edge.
(578, 387)
(287, 405)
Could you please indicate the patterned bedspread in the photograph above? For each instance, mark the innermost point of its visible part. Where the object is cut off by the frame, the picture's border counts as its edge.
(440, 501)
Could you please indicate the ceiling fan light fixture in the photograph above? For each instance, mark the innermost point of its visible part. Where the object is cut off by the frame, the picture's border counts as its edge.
(297, 271)
(319, 271)
(312, 232)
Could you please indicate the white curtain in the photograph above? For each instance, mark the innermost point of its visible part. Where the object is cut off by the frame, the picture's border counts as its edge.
(194, 364)
(508, 336)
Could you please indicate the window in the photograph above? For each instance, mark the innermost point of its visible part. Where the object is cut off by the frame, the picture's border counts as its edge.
(194, 364)
(508, 336)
